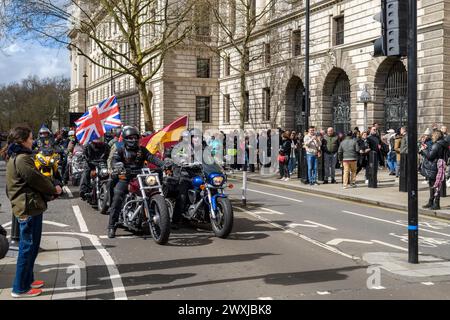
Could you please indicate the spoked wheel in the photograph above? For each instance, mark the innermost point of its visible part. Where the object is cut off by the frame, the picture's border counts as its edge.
(223, 223)
(159, 223)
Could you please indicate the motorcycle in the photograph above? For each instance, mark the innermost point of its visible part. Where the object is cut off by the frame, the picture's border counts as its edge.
(76, 165)
(207, 201)
(144, 206)
(99, 179)
(47, 162)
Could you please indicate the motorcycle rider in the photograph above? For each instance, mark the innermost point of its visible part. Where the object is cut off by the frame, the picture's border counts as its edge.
(96, 150)
(133, 156)
(45, 140)
(72, 142)
(188, 150)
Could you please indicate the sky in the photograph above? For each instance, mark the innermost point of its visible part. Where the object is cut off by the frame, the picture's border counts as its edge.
(22, 59)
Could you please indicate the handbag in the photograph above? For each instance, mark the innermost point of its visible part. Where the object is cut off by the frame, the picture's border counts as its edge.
(281, 158)
(429, 169)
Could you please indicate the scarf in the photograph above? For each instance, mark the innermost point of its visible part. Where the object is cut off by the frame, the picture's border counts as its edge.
(439, 177)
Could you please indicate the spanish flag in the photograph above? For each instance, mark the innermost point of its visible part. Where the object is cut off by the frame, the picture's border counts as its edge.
(167, 136)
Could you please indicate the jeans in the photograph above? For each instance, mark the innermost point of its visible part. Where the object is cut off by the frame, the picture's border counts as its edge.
(391, 163)
(292, 164)
(312, 168)
(330, 165)
(30, 239)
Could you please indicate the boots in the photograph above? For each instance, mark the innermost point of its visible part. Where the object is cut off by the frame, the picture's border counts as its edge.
(111, 233)
(430, 201)
(437, 203)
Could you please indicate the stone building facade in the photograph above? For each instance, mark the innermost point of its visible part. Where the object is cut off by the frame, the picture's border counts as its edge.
(342, 66)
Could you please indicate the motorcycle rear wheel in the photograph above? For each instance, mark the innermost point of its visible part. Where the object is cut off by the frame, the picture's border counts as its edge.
(102, 199)
(160, 231)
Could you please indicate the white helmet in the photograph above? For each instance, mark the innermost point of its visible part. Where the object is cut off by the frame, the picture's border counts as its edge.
(71, 133)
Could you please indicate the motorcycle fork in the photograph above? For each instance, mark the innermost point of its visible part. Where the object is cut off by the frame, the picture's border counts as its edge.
(211, 209)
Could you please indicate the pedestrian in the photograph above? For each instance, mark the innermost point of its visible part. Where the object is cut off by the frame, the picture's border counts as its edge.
(363, 158)
(397, 143)
(330, 149)
(348, 154)
(284, 155)
(293, 156)
(391, 157)
(375, 145)
(433, 167)
(28, 191)
(312, 146)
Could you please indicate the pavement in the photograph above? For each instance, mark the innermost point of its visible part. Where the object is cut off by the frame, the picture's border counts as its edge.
(387, 194)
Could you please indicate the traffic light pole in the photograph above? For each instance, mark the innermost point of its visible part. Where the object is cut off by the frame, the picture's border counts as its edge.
(307, 100)
(413, 229)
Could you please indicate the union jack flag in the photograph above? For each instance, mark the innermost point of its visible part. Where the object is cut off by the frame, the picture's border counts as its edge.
(98, 120)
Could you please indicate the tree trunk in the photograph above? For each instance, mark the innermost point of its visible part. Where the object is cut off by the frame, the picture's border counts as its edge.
(243, 108)
(146, 98)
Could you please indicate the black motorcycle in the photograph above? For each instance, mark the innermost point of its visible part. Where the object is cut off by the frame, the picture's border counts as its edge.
(144, 208)
(207, 201)
(99, 180)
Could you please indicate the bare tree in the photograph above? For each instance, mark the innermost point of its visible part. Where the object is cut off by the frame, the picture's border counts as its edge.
(35, 102)
(123, 36)
(236, 22)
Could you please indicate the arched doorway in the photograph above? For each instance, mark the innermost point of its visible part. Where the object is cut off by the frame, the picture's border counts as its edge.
(341, 103)
(295, 105)
(396, 97)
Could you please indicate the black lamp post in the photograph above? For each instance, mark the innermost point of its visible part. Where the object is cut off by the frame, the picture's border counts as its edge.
(85, 91)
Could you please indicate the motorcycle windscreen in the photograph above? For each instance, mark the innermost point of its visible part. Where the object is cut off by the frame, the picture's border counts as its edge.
(211, 168)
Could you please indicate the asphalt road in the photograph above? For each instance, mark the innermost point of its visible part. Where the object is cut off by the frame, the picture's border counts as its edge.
(284, 245)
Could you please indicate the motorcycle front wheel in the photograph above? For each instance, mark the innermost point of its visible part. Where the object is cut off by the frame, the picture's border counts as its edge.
(223, 223)
(159, 223)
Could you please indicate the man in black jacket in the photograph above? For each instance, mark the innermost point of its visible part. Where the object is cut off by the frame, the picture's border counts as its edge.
(96, 151)
(133, 157)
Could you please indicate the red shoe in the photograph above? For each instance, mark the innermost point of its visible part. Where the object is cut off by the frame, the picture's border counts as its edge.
(37, 284)
(30, 294)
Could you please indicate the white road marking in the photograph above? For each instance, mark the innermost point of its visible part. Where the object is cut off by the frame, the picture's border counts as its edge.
(377, 288)
(62, 225)
(299, 235)
(268, 211)
(335, 242)
(428, 283)
(114, 275)
(274, 195)
(6, 224)
(321, 225)
(392, 222)
(80, 219)
(389, 245)
(265, 298)
(323, 293)
(67, 190)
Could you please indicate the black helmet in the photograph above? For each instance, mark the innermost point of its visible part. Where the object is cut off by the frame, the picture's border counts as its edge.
(131, 137)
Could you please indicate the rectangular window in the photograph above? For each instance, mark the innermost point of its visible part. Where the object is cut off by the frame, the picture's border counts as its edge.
(267, 54)
(232, 16)
(203, 109)
(203, 68)
(339, 30)
(227, 66)
(296, 43)
(266, 105)
(247, 107)
(226, 108)
(202, 22)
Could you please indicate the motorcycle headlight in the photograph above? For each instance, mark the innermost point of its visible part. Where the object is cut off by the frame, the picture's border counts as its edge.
(104, 172)
(218, 181)
(150, 181)
(52, 161)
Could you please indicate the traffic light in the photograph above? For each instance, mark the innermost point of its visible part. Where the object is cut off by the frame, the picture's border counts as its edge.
(394, 29)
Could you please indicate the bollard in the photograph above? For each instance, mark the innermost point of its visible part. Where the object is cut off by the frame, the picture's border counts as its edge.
(321, 168)
(15, 233)
(244, 188)
(403, 182)
(303, 167)
(373, 169)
